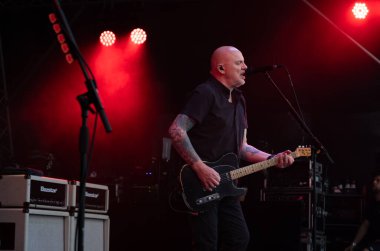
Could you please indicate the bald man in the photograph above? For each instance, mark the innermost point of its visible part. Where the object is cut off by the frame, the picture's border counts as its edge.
(213, 123)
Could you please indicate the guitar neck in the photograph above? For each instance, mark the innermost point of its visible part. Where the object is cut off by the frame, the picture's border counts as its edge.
(247, 170)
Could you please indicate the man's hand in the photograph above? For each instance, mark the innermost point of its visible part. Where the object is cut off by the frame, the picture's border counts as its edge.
(207, 175)
(284, 159)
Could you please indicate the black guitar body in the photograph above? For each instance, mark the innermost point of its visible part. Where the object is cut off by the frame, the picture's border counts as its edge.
(196, 197)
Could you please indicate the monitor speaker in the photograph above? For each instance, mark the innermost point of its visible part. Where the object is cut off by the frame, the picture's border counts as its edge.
(47, 230)
(96, 232)
(34, 230)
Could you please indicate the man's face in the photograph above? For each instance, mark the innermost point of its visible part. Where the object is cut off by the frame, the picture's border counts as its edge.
(234, 68)
(376, 184)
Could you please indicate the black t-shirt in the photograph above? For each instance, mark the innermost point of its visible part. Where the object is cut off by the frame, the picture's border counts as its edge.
(220, 124)
(373, 216)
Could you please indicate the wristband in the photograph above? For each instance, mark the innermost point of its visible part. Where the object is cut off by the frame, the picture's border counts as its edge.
(271, 156)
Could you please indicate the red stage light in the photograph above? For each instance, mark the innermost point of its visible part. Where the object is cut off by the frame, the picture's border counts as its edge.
(65, 48)
(57, 28)
(138, 36)
(61, 37)
(52, 18)
(69, 58)
(107, 38)
(360, 10)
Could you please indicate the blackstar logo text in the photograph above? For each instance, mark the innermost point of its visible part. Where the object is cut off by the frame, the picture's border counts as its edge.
(48, 190)
(92, 195)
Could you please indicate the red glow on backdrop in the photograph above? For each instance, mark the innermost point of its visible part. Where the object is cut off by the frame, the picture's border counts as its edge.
(53, 114)
(120, 72)
(107, 38)
(126, 85)
(129, 95)
(360, 10)
(138, 36)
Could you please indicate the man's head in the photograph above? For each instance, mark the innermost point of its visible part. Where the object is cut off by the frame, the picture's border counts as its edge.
(227, 66)
(376, 183)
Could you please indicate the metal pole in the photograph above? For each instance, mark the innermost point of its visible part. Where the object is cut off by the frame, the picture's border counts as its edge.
(5, 104)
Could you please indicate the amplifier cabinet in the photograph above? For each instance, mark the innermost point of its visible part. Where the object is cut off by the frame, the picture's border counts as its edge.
(299, 175)
(96, 232)
(29, 191)
(305, 196)
(97, 197)
(344, 209)
(34, 230)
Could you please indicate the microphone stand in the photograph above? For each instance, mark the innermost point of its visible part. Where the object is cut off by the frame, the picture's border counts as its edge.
(315, 150)
(85, 100)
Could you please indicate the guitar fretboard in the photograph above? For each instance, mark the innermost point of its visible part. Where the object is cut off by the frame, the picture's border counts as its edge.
(243, 171)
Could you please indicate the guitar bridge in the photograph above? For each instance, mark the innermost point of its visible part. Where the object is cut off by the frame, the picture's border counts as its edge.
(207, 199)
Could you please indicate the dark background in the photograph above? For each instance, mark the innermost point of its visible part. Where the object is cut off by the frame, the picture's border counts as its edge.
(336, 82)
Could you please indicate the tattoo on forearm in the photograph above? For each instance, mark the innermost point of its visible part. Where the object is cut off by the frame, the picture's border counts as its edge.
(181, 142)
(249, 151)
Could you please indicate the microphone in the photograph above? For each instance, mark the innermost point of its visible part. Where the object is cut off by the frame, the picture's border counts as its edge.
(254, 70)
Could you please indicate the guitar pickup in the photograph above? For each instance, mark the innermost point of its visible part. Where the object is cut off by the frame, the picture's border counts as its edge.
(207, 198)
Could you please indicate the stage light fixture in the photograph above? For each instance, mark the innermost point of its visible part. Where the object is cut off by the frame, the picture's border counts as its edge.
(61, 37)
(52, 18)
(57, 28)
(65, 48)
(360, 10)
(138, 36)
(107, 38)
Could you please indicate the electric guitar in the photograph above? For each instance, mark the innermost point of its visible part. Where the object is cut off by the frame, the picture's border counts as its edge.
(197, 199)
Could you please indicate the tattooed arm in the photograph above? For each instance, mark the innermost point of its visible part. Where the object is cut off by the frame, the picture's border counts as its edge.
(251, 153)
(181, 141)
(254, 155)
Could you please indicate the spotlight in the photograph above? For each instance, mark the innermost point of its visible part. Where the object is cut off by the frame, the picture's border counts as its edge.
(138, 36)
(360, 10)
(107, 38)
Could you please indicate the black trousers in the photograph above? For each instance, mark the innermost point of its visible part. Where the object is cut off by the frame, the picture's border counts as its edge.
(222, 228)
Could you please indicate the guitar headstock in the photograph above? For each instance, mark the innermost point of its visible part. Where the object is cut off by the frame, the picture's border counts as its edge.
(303, 152)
